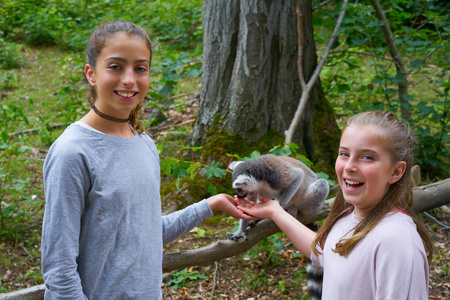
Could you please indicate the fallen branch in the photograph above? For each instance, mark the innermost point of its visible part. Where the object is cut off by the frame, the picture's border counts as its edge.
(33, 130)
(360, 53)
(425, 198)
(443, 226)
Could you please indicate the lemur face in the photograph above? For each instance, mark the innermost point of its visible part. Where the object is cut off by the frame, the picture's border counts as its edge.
(241, 193)
(245, 185)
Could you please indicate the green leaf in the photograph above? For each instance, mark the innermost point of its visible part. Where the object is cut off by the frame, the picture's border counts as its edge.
(201, 232)
(322, 175)
(177, 183)
(4, 136)
(214, 170)
(283, 151)
(417, 64)
(212, 190)
(305, 160)
(194, 73)
(192, 169)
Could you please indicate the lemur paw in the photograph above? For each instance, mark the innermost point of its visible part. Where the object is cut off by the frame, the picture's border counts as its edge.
(236, 236)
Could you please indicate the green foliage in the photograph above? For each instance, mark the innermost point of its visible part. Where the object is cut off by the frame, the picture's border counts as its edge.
(56, 22)
(179, 168)
(10, 57)
(268, 249)
(8, 80)
(253, 280)
(173, 69)
(174, 25)
(360, 75)
(11, 214)
(70, 102)
(184, 278)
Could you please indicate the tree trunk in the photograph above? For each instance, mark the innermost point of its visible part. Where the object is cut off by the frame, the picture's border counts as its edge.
(250, 82)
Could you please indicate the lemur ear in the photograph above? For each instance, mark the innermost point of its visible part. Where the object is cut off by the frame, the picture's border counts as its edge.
(234, 164)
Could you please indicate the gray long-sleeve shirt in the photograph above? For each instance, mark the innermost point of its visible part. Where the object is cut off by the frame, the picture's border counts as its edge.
(103, 232)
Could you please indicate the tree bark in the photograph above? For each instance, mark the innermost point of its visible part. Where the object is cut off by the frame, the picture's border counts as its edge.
(425, 198)
(250, 81)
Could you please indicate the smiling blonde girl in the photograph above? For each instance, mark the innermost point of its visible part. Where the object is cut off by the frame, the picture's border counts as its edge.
(371, 245)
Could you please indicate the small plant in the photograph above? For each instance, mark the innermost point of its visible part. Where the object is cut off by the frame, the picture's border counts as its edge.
(8, 80)
(253, 280)
(268, 250)
(282, 285)
(184, 278)
(10, 57)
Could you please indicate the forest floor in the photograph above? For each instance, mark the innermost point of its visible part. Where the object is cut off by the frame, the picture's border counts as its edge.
(253, 275)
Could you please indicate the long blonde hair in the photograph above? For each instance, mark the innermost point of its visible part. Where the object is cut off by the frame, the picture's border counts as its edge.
(98, 40)
(398, 140)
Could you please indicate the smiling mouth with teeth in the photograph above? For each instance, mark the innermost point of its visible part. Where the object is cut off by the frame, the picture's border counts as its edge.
(127, 95)
(353, 184)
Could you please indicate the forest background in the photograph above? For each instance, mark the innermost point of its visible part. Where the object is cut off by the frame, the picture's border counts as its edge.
(42, 59)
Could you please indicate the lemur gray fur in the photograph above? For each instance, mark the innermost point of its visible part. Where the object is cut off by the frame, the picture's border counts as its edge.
(293, 184)
(283, 178)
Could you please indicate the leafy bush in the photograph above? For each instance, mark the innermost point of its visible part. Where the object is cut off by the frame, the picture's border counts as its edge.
(10, 57)
(11, 214)
(184, 278)
(69, 23)
(360, 75)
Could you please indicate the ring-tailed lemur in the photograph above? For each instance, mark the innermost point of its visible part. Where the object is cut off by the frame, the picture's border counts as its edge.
(283, 178)
(287, 180)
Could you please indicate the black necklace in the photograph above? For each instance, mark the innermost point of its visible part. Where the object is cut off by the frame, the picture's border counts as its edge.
(109, 118)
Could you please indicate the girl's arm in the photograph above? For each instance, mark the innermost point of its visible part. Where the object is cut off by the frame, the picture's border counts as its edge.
(300, 235)
(182, 221)
(65, 184)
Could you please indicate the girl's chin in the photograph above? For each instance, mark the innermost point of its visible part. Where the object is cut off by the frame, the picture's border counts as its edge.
(351, 199)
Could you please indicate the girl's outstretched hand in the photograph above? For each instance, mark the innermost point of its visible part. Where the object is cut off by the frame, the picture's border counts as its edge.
(225, 203)
(264, 209)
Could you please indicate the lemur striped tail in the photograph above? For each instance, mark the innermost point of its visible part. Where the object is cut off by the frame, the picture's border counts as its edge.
(314, 278)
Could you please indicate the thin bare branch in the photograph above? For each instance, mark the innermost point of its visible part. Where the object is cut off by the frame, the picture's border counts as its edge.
(312, 81)
(395, 54)
(300, 48)
(361, 53)
(34, 130)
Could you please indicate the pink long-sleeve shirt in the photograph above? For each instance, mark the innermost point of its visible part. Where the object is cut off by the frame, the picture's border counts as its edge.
(389, 263)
